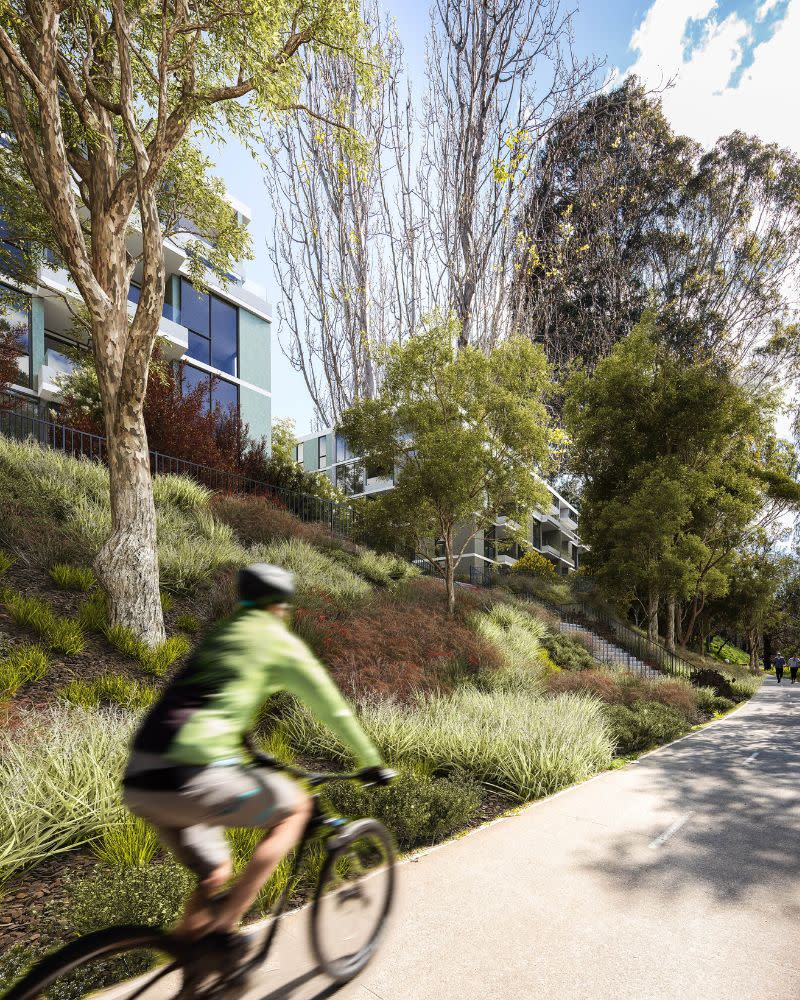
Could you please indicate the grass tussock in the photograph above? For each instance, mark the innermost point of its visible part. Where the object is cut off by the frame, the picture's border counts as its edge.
(526, 747)
(517, 636)
(59, 781)
(155, 660)
(69, 577)
(129, 843)
(64, 635)
(24, 664)
(110, 689)
(319, 577)
(6, 562)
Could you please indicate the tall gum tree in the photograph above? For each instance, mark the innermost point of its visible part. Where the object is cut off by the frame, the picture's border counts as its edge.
(103, 100)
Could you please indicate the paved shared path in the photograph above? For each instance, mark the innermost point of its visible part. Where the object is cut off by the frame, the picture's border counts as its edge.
(674, 878)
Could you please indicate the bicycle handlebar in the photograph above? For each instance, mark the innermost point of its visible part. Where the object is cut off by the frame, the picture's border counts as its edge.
(314, 778)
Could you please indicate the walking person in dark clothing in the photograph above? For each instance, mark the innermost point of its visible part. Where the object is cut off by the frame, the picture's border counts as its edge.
(779, 663)
(794, 663)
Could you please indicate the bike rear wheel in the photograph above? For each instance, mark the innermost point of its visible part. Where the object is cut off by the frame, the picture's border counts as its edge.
(142, 956)
(353, 900)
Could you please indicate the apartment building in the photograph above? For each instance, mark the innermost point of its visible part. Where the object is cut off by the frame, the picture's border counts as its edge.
(552, 532)
(223, 335)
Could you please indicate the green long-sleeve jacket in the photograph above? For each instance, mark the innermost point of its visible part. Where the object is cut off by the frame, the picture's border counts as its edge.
(213, 702)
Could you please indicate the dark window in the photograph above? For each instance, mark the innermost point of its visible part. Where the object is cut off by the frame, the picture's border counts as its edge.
(15, 315)
(350, 478)
(489, 543)
(343, 452)
(224, 335)
(225, 395)
(192, 378)
(134, 291)
(438, 548)
(199, 348)
(322, 451)
(537, 534)
(194, 309)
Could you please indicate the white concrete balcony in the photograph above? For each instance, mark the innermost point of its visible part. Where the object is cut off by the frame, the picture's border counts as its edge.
(550, 550)
(569, 521)
(506, 522)
(505, 560)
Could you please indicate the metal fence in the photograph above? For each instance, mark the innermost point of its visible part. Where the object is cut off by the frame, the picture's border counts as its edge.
(339, 518)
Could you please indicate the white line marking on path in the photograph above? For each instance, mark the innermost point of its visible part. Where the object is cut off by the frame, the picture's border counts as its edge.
(752, 756)
(671, 830)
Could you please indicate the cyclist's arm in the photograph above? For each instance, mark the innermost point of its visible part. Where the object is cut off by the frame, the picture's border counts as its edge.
(302, 675)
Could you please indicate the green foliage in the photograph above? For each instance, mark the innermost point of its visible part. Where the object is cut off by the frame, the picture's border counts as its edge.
(70, 759)
(167, 601)
(316, 572)
(706, 698)
(24, 664)
(643, 725)
(721, 649)
(745, 687)
(567, 652)
(93, 613)
(243, 841)
(154, 659)
(110, 689)
(464, 431)
(517, 636)
(418, 808)
(722, 705)
(6, 562)
(535, 563)
(64, 635)
(381, 570)
(130, 843)
(524, 746)
(72, 577)
(187, 622)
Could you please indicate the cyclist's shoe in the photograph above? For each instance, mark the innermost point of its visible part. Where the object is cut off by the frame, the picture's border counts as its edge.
(376, 775)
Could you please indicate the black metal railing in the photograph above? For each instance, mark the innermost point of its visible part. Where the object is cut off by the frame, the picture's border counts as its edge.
(339, 518)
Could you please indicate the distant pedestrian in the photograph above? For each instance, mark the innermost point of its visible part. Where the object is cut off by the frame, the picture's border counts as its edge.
(794, 663)
(779, 663)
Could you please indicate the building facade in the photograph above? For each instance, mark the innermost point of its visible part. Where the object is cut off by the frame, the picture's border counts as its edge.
(223, 335)
(552, 532)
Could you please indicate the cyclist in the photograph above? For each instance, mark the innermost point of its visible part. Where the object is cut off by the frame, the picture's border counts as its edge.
(189, 772)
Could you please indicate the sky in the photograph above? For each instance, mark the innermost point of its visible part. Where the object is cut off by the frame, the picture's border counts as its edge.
(732, 64)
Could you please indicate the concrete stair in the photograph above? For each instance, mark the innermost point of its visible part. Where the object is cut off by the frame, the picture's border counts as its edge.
(607, 652)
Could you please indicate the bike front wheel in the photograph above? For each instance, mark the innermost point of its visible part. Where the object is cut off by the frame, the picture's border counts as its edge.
(353, 899)
(147, 961)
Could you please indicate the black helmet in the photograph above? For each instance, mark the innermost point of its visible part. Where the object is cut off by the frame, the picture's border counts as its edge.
(262, 584)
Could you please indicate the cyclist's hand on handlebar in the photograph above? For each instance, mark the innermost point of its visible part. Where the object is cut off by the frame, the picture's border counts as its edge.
(376, 775)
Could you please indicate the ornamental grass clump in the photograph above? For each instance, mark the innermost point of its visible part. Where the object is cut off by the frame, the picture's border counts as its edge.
(317, 574)
(59, 781)
(524, 746)
(24, 664)
(129, 843)
(517, 636)
(69, 577)
(110, 689)
(6, 562)
(64, 635)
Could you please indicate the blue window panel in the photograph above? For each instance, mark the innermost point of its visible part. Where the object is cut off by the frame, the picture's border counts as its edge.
(192, 378)
(194, 309)
(224, 336)
(199, 348)
(134, 292)
(224, 395)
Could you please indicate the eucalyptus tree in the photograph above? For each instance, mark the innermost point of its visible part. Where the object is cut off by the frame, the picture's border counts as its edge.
(105, 102)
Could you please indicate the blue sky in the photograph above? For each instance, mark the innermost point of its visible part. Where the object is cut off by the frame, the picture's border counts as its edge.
(735, 64)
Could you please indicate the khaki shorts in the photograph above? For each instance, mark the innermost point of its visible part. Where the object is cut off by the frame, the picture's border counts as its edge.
(191, 821)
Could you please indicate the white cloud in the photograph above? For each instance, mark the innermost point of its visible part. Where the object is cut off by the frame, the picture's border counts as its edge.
(703, 102)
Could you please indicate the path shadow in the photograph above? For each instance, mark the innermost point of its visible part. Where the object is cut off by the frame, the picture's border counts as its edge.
(745, 829)
(288, 990)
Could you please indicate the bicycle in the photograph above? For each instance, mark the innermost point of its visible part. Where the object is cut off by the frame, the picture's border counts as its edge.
(358, 870)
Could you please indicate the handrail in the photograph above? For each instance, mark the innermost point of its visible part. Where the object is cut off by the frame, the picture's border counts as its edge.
(338, 518)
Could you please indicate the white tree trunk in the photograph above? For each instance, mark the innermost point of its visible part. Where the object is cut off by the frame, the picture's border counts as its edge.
(670, 636)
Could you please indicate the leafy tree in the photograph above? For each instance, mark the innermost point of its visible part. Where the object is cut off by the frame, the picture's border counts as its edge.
(674, 478)
(626, 214)
(535, 563)
(465, 432)
(103, 102)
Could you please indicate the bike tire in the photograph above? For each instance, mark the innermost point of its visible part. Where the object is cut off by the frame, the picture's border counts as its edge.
(54, 969)
(343, 969)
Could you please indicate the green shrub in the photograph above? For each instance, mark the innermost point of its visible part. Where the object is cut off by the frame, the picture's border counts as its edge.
(316, 572)
(24, 664)
(568, 653)
(69, 577)
(130, 843)
(125, 641)
(188, 622)
(722, 705)
(643, 725)
(535, 564)
(93, 613)
(417, 808)
(525, 746)
(706, 677)
(6, 562)
(745, 687)
(70, 759)
(167, 600)
(65, 635)
(110, 689)
(706, 697)
(379, 569)
(180, 495)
